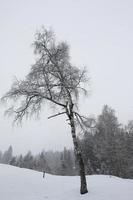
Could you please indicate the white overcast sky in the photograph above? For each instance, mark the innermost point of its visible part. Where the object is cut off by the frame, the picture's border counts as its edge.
(100, 34)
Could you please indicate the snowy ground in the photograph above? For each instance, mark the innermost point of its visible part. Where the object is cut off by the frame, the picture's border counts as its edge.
(24, 184)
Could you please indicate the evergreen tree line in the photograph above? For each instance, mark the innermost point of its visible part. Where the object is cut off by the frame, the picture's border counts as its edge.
(6, 157)
(107, 148)
(53, 162)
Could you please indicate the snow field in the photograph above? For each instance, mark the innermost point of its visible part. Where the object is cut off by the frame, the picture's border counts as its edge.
(24, 184)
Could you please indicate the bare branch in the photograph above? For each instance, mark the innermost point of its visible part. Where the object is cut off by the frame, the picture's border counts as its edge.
(56, 115)
(80, 116)
(80, 123)
(85, 122)
(26, 106)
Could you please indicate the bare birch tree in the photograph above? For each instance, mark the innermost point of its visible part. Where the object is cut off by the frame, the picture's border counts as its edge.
(52, 79)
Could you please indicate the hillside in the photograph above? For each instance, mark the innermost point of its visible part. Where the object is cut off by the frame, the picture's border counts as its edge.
(24, 184)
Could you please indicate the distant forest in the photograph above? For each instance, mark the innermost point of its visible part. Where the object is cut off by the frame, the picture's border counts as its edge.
(107, 148)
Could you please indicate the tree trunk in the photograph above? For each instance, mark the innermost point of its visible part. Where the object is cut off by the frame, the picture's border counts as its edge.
(83, 186)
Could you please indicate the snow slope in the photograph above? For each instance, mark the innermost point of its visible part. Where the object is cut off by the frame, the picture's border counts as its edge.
(24, 184)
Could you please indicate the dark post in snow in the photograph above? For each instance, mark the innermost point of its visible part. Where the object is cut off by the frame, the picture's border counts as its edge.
(52, 79)
(43, 174)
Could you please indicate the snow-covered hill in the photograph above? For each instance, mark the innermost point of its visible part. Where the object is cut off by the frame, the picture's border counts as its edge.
(24, 184)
